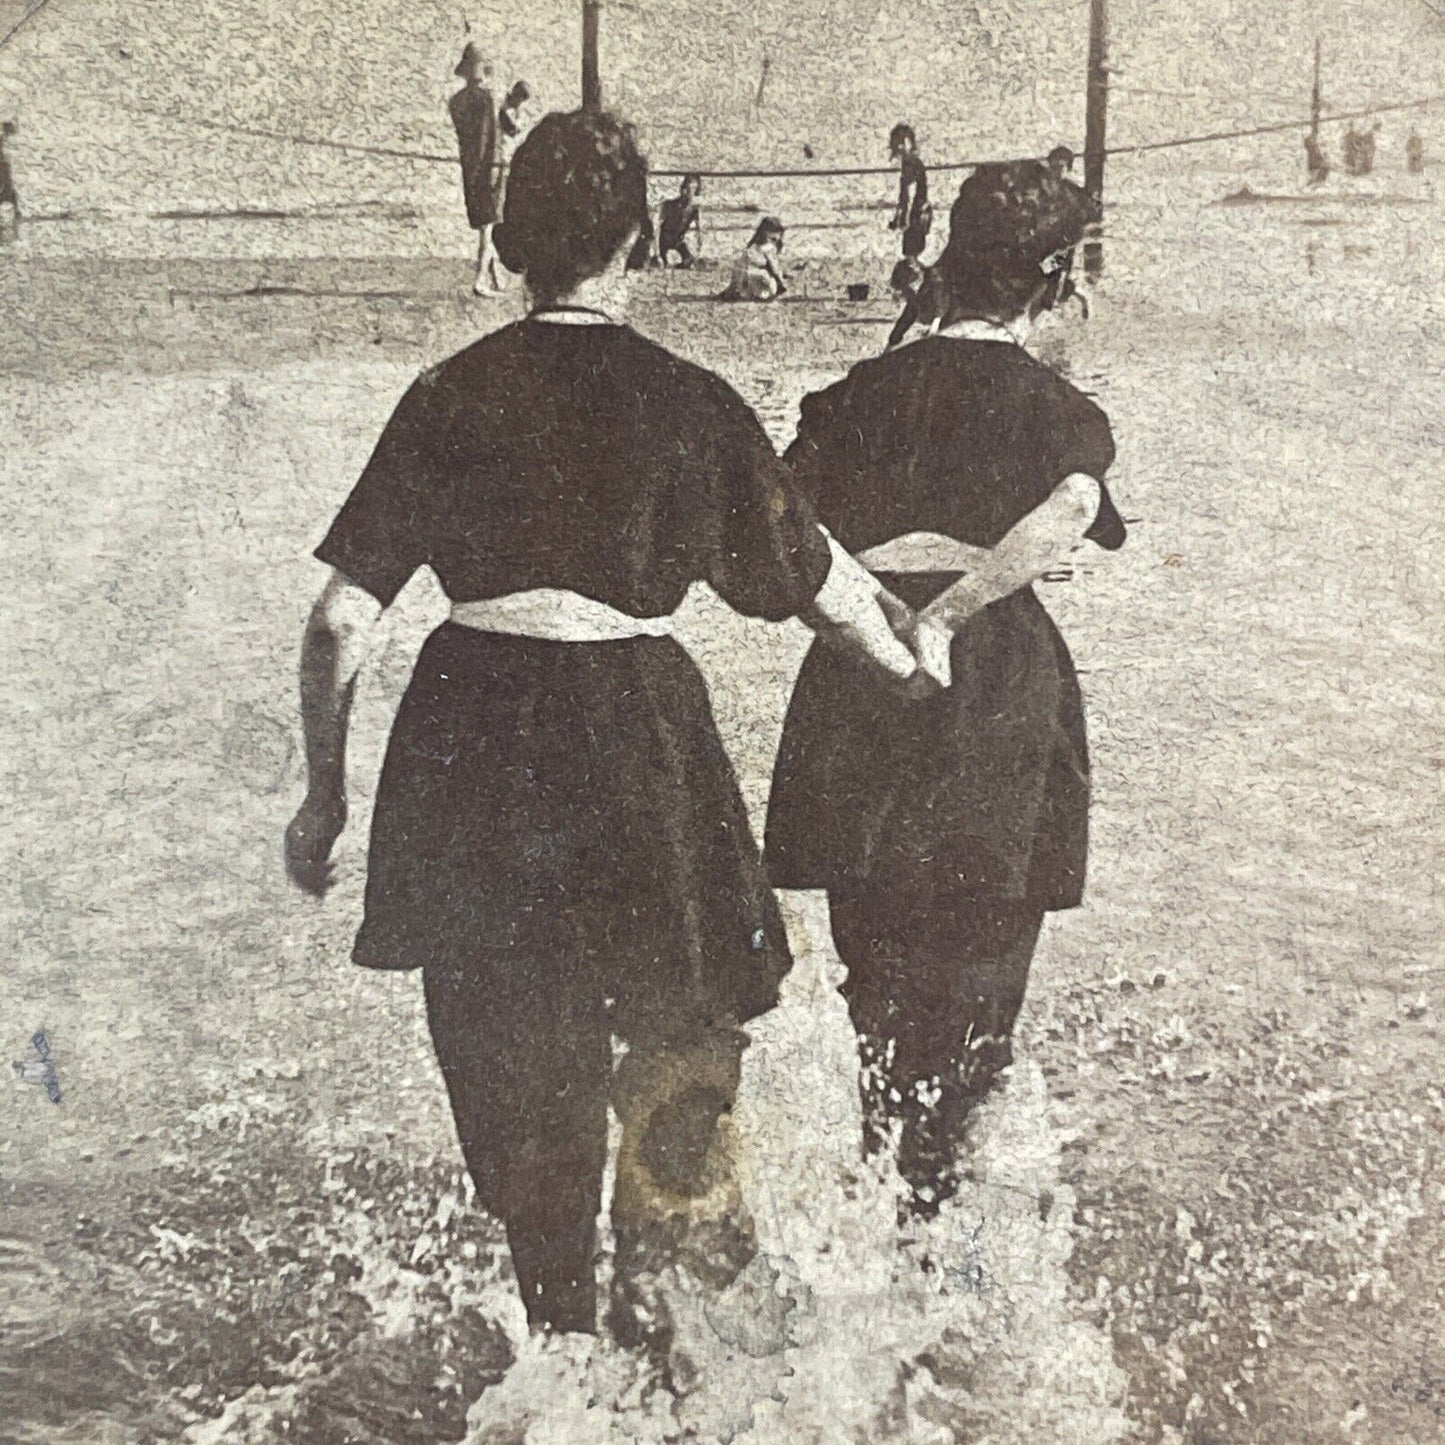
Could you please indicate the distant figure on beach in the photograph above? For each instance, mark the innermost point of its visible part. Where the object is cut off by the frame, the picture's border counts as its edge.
(756, 273)
(922, 289)
(9, 196)
(644, 249)
(1317, 164)
(914, 215)
(924, 303)
(1350, 152)
(1060, 162)
(474, 115)
(962, 469)
(513, 122)
(1367, 149)
(1414, 154)
(906, 277)
(1359, 150)
(681, 215)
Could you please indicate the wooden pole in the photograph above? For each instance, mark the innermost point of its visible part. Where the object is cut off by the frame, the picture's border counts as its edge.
(1095, 114)
(1317, 95)
(591, 66)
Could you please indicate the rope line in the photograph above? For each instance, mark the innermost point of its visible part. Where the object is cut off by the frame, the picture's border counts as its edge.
(257, 133)
(1140, 148)
(818, 173)
(22, 22)
(1278, 127)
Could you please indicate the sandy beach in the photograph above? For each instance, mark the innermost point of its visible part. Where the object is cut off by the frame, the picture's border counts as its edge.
(237, 1197)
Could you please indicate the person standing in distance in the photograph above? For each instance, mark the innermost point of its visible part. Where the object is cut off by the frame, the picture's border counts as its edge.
(914, 216)
(474, 115)
(1415, 154)
(9, 196)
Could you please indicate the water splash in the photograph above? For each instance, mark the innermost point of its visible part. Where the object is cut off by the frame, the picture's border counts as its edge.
(842, 1332)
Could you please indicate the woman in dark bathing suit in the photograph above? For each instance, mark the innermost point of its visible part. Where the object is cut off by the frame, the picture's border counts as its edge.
(945, 830)
(559, 842)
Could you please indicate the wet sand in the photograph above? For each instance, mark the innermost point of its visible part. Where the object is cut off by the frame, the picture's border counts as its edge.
(1237, 1030)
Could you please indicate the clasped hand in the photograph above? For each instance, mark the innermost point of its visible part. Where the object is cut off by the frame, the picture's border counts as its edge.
(929, 640)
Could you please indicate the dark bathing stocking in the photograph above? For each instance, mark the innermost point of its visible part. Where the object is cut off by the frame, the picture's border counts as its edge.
(934, 1010)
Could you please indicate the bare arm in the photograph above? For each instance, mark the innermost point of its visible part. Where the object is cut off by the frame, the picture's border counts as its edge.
(1035, 545)
(855, 611)
(337, 638)
(904, 324)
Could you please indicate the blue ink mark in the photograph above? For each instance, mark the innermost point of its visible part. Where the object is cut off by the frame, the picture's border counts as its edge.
(43, 1071)
(970, 1272)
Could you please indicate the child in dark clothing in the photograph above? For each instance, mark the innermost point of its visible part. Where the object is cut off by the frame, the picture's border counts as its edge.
(679, 216)
(926, 300)
(914, 216)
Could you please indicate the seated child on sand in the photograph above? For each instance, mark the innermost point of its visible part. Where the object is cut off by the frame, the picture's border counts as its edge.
(756, 276)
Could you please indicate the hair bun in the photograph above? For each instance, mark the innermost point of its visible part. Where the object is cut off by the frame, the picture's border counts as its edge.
(1021, 207)
(576, 193)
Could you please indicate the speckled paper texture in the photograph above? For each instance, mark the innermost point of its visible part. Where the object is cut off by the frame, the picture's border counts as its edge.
(1205, 1204)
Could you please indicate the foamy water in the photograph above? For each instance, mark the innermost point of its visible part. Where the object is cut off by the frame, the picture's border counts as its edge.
(842, 1330)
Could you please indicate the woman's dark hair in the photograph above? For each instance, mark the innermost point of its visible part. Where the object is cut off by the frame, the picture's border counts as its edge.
(900, 133)
(1012, 231)
(990, 282)
(576, 192)
(520, 93)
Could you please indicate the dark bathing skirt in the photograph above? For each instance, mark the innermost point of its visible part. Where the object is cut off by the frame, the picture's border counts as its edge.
(544, 801)
(979, 792)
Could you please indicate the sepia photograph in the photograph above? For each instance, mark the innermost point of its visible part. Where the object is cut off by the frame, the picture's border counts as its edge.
(727, 722)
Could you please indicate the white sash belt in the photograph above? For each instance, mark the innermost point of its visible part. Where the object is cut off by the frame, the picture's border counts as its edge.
(554, 614)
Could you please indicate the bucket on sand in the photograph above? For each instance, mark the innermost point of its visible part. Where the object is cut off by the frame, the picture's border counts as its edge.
(857, 290)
